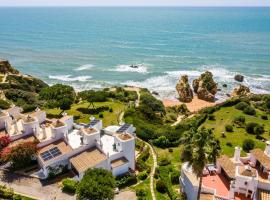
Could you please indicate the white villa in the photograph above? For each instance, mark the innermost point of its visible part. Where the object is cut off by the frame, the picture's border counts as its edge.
(237, 178)
(62, 143)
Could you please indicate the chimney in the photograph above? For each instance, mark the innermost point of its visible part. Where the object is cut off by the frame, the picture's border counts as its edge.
(267, 148)
(237, 154)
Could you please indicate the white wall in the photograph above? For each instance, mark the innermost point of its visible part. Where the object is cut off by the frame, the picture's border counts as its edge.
(120, 170)
(187, 187)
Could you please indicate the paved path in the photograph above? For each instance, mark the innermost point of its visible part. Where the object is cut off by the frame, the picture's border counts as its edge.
(32, 187)
(130, 195)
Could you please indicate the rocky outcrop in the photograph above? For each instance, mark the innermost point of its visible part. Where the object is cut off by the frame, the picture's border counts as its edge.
(241, 90)
(5, 68)
(239, 78)
(205, 86)
(184, 90)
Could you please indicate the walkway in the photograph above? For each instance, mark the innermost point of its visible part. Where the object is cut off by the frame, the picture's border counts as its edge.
(136, 89)
(33, 188)
(153, 170)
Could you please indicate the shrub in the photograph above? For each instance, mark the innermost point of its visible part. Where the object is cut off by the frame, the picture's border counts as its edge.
(229, 128)
(160, 186)
(69, 185)
(241, 105)
(96, 184)
(162, 142)
(164, 161)
(4, 104)
(259, 129)
(143, 175)
(170, 150)
(250, 127)
(4, 141)
(264, 117)
(211, 117)
(144, 154)
(141, 165)
(239, 120)
(248, 144)
(126, 180)
(110, 110)
(140, 193)
(100, 115)
(249, 110)
(175, 177)
(229, 144)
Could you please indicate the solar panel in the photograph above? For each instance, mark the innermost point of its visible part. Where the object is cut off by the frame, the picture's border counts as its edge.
(123, 128)
(51, 153)
(93, 122)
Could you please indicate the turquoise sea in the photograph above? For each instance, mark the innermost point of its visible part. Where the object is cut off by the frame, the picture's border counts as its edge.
(94, 47)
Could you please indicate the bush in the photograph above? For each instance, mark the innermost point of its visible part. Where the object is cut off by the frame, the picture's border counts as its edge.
(264, 117)
(144, 154)
(248, 144)
(211, 117)
(110, 110)
(249, 111)
(4, 104)
(229, 144)
(143, 175)
(141, 193)
(100, 115)
(141, 165)
(160, 186)
(164, 161)
(175, 177)
(259, 129)
(250, 127)
(229, 128)
(239, 120)
(162, 142)
(125, 181)
(69, 185)
(96, 184)
(241, 105)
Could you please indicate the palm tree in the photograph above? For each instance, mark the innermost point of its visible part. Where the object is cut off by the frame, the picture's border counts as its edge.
(200, 148)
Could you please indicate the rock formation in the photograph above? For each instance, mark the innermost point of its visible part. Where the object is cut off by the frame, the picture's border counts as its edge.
(205, 86)
(184, 90)
(241, 90)
(239, 78)
(5, 67)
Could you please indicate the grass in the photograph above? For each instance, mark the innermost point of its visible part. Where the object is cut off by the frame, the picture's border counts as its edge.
(174, 156)
(110, 118)
(145, 185)
(226, 116)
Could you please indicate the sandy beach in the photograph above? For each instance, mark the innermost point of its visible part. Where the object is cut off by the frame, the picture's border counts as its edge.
(194, 106)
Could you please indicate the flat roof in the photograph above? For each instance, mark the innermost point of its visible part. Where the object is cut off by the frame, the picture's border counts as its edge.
(89, 131)
(118, 162)
(63, 147)
(261, 157)
(124, 136)
(247, 171)
(87, 159)
(206, 196)
(227, 165)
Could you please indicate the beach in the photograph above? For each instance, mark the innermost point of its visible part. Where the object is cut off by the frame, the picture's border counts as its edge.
(194, 106)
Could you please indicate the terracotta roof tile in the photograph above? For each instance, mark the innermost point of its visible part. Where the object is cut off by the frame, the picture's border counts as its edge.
(261, 157)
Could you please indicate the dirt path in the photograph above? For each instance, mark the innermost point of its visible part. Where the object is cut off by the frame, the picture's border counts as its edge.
(179, 119)
(136, 89)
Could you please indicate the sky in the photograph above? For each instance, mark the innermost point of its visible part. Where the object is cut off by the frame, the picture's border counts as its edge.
(134, 2)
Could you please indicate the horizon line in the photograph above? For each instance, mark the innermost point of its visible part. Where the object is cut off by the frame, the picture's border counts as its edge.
(140, 6)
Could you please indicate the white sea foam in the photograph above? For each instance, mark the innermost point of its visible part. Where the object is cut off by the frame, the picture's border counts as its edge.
(68, 78)
(127, 68)
(165, 84)
(84, 67)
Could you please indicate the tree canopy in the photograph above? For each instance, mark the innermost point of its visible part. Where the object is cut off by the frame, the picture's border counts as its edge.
(96, 184)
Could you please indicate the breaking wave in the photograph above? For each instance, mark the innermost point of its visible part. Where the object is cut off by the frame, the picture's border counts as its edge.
(67, 78)
(127, 68)
(84, 67)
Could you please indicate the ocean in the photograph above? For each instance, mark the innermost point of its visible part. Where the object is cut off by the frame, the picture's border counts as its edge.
(92, 48)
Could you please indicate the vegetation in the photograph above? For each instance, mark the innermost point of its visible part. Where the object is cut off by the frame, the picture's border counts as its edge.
(20, 156)
(96, 184)
(8, 194)
(69, 185)
(125, 180)
(4, 104)
(200, 148)
(248, 144)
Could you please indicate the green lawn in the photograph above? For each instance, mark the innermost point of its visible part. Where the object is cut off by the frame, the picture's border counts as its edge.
(226, 116)
(110, 118)
(174, 156)
(145, 185)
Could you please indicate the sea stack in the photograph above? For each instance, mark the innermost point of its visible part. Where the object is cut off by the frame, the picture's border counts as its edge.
(184, 90)
(241, 90)
(205, 87)
(239, 78)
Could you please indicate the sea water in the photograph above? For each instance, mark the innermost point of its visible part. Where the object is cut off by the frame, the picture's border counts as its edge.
(92, 48)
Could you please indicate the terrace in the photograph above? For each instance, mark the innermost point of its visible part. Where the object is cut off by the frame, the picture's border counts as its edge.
(108, 144)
